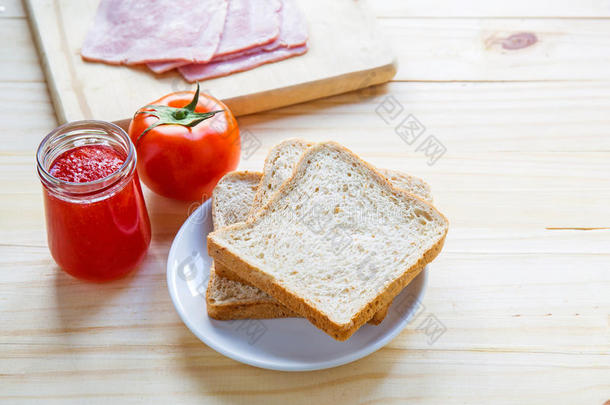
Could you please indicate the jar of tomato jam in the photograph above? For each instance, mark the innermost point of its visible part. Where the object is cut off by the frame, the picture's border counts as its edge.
(97, 224)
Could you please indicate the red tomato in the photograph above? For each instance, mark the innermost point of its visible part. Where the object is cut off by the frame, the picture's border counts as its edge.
(182, 151)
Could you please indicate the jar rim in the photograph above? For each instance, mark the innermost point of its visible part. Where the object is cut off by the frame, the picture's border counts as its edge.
(105, 126)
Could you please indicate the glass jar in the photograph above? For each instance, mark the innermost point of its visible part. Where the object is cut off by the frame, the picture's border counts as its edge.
(97, 230)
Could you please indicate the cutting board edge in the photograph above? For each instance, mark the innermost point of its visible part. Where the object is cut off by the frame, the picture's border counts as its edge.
(250, 104)
(60, 114)
(299, 93)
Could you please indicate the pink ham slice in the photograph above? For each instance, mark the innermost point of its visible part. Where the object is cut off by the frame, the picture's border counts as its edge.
(291, 42)
(162, 67)
(195, 72)
(249, 25)
(141, 31)
(293, 30)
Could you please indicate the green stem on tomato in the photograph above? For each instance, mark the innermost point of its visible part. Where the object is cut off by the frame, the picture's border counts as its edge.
(185, 116)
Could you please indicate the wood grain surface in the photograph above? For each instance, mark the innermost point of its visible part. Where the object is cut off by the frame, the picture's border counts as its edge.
(522, 286)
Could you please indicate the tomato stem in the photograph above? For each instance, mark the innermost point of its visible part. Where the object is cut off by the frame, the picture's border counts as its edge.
(180, 114)
(185, 116)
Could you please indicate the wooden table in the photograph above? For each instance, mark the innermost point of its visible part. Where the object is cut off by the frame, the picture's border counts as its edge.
(521, 290)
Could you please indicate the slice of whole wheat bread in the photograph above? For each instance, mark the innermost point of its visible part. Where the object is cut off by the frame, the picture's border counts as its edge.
(230, 297)
(227, 299)
(278, 167)
(284, 249)
(411, 184)
(232, 198)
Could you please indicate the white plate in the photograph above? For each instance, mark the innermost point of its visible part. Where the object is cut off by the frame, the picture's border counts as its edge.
(289, 344)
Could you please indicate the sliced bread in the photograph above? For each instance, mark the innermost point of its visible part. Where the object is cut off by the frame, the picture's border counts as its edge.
(232, 197)
(410, 184)
(279, 166)
(227, 299)
(229, 296)
(285, 249)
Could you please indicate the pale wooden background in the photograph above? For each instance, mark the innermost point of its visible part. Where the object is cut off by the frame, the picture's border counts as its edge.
(523, 284)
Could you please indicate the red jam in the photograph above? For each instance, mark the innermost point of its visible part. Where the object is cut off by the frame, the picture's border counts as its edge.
(104, 235)
(86, 163)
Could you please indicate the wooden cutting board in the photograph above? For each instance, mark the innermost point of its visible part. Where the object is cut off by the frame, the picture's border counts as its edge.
(346, 53)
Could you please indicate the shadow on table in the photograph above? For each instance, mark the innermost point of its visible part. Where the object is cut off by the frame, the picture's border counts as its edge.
(232, 382)
(80, 305)
(371, 96)
(85, 307)
(92, 312)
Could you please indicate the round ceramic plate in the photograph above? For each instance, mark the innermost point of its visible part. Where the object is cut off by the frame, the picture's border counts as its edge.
(290, 344)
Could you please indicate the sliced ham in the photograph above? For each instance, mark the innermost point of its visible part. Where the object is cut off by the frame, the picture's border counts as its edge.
(195, 72)
(249, 26)
(293, 29)
(162, 67)
(292, 41)
(141, 31)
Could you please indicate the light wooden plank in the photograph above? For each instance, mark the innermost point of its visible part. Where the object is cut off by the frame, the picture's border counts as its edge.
(449, 8)
(474, 8)
(473, 49)
(467, 117)
(26, 114)
(464, 377)
(434, 50)
(19, 61)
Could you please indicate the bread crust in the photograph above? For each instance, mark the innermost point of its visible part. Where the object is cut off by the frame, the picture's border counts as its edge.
(380, 315)
(224, 272)
(249, 311)
(257, 277)
(299, 305)
(259, 310)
